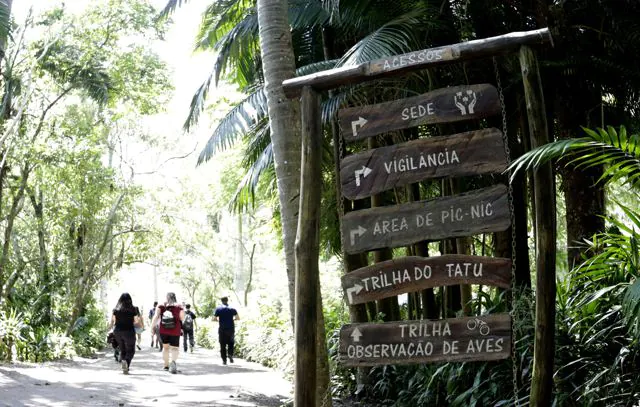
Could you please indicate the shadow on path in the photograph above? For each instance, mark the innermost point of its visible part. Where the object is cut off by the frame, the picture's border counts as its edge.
(202, 381)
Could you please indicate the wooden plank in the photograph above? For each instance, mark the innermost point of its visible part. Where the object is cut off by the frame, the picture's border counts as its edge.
(368, 71)
(426, 341)
(413, 273)
(445, 105)
(373, 171)
(483, 210)
(413, 60)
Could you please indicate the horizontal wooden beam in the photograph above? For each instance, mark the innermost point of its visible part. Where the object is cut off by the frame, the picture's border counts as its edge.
(399, 64)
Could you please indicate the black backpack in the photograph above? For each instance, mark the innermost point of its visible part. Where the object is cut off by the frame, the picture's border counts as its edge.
(187, 324)
(167, 320)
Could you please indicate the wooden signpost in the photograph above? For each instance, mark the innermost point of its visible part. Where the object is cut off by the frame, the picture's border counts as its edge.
(445, 105)
(410, 274)
(483, 338)
(364, 174)
(373, 171)
(483, 210)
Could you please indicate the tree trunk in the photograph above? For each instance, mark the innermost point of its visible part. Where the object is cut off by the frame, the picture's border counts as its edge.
(543, 353)
(45, 277)
(16, 207)
(5, 27)
(278, 64)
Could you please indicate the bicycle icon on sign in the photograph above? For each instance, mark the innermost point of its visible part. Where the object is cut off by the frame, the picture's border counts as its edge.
(474, 323)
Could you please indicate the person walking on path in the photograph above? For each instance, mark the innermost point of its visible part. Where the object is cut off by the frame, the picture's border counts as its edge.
(225, 316)
(139, 328)
(188, 326)
(170, 316)
(154, 330)
(122, 322)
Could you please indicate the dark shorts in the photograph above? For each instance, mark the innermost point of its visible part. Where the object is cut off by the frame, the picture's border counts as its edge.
(170, 339)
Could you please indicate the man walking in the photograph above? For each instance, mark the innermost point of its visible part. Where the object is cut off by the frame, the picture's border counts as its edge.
(225, 316)
(188, 326)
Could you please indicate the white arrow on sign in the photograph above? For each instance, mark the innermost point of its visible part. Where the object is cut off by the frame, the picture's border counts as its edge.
(359, 232)
(353, 290)
(358, 123)
(356, 334)
(364, 171)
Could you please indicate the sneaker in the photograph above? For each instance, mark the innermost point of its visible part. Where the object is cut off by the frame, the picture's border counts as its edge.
(125, 367)
(231, 359)
(138, 346)
(173, 368)
(166, 368)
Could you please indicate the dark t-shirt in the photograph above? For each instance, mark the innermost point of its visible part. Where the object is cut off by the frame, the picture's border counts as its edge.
(124, 319)
(225, 316)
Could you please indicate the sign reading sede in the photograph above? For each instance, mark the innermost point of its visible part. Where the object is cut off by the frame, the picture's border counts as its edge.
(410, 274)
(483, 338)
(373, 171)
(439, 106)
(482, 210)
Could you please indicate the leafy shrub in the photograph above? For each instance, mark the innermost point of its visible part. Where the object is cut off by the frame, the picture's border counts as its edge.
(89, 332)
(205, 335)
(12, 331)
(266, 338)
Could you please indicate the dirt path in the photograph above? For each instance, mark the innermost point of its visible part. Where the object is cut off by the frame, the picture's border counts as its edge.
(202, 381)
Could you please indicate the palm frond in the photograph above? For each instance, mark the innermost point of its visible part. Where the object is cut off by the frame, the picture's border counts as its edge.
(197, 103)
(394, 37)
(307, 14)
(617, 152)
(631, 308)
(233, 34)
(244, 196)
(5, 24)
(236, 123)
(171, 7)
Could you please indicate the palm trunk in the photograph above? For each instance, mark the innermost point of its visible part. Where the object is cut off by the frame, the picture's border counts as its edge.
(284, 122)
(278, 64)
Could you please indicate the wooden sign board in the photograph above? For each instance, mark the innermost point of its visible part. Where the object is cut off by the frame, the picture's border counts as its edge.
(380, 169)
(410, 274)
(448, 340)
(482, 210)
(413, 60)
(444, 105)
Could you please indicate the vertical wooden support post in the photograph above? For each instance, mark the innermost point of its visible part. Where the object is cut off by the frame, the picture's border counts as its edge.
(307, 251)
(545, 215)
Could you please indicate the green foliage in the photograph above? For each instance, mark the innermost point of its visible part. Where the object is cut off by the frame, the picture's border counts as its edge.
(616, 150)
(267, 338)
(205, 335)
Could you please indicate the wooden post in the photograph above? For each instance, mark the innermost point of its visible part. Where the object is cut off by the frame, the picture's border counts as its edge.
(545, 208)
(307, 251)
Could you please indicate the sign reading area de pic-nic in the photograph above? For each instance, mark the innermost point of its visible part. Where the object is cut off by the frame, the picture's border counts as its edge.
(479, 211)
(445, 105)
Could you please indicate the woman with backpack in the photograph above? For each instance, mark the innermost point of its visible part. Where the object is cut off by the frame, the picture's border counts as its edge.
(123, 323)
(170, 316)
